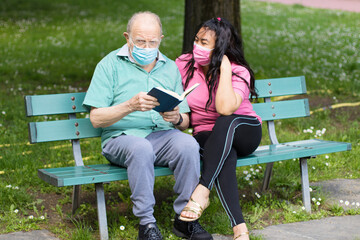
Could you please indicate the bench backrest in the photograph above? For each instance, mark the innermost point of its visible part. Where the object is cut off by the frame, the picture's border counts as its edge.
(78, 128)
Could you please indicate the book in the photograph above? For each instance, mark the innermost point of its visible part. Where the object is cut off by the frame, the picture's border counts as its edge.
(168, 99)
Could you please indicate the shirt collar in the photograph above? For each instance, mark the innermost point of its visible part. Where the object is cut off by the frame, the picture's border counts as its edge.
(196, 65)
(124, 52)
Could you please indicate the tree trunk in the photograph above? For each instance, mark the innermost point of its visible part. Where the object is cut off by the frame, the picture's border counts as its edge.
(198, 11)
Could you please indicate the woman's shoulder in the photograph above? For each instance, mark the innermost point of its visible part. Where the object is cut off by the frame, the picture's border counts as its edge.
(183, 59)
(240, 70)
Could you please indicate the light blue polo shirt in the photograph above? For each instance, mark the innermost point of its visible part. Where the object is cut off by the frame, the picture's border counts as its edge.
(117, 79)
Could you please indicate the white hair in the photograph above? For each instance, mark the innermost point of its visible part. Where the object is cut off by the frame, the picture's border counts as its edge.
(133, 18)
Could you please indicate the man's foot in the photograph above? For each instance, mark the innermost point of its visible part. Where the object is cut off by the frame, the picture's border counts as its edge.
(149, 231)
(198, 202)
(190, 230)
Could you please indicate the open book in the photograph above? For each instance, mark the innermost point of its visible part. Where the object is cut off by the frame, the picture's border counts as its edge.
(168, 99)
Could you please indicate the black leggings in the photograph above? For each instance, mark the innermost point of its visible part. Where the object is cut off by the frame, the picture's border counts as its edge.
(232, 136)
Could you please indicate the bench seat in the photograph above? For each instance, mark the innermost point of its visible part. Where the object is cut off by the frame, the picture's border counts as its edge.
(88, 174)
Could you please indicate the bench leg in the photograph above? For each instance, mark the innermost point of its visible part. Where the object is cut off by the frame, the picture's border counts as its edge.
(267, 176)
(76, 198)
(101, 209)
(305, 184)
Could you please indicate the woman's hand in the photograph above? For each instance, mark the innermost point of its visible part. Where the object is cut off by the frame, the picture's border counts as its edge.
(225, 64)
(226, 100)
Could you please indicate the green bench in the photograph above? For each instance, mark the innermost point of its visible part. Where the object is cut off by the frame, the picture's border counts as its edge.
(75, 129)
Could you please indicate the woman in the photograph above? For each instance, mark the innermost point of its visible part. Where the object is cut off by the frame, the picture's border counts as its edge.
(222, 116)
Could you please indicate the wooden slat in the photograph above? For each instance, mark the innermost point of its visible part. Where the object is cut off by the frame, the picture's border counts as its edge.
(280, 86)
(282, 109)
(62, 103)
(62, 130)
(69, 176)
(290, 150)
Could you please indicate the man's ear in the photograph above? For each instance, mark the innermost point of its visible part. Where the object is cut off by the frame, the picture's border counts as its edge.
(126, 35)
(162, 36)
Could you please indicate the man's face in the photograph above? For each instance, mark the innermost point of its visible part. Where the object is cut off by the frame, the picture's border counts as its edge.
(145, 33)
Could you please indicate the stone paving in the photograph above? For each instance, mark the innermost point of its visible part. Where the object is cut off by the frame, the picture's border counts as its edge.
(33, 235)
(332, 228)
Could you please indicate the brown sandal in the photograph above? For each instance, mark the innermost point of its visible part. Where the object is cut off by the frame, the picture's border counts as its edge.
(241, 234)
(198, 210)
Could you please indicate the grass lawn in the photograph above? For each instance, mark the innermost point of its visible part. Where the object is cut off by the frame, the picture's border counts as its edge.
(53, 47)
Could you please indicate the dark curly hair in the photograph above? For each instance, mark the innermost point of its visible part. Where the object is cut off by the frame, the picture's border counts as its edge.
(227, 43)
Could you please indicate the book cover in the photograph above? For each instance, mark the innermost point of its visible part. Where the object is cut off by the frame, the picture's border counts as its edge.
(168, 99)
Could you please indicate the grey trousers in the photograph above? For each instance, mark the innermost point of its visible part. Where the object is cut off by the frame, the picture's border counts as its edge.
(171, 148)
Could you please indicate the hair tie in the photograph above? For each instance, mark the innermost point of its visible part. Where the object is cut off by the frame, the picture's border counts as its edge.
(219, 19)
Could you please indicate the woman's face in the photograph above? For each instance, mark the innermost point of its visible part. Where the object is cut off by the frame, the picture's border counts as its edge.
(205, 38)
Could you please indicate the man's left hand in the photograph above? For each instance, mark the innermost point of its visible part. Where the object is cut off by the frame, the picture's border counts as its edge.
(171, 116)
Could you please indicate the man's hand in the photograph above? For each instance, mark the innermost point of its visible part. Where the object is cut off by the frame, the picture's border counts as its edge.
(142, 102)
(172, 116)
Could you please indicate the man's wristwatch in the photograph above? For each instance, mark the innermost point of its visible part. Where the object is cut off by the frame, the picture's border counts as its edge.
(180, 121)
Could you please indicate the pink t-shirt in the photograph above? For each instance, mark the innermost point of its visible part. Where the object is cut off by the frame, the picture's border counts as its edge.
(205, 121)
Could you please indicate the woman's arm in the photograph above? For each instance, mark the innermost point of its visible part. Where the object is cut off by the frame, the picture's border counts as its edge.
(226, 100)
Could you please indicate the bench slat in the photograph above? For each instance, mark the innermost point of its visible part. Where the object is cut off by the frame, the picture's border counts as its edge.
(298, 149)
(62, 130)
(65, 103)
(282, 109)
(280, 86)
(100, 167)
(78, 178)
(69, 176)
(66, 129)
(87, 171)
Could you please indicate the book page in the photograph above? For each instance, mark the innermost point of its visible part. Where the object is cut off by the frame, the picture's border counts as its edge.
(171, 93)
(189, 90)
(183, 95)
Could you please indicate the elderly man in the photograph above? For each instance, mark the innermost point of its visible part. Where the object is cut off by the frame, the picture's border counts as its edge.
(135, 136)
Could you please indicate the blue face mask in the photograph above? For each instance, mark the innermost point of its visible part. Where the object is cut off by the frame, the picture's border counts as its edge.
(144, 56)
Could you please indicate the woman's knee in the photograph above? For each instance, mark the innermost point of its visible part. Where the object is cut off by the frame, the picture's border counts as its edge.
(246, 142)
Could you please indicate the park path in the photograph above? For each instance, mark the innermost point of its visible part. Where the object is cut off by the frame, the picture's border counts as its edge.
(346, 5)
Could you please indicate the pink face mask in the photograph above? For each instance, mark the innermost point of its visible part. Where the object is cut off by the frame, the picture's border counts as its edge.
(201, 55)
